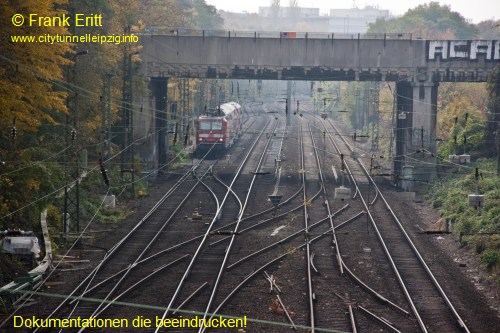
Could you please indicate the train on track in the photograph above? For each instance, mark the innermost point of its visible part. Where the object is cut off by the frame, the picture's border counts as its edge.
(217, 130)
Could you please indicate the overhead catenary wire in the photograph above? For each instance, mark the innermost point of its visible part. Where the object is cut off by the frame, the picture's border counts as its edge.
(130, 106)
(411, 156)
(110, 158)
(95, 168)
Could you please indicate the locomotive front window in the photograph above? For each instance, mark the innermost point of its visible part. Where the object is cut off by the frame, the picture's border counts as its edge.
(217, 125)
(205, 125)
(210, 125)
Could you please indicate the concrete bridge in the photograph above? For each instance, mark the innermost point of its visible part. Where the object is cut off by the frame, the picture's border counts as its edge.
(417, 66)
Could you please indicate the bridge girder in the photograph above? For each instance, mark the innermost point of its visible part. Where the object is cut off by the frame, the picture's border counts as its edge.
(417, 67)
(318, 59)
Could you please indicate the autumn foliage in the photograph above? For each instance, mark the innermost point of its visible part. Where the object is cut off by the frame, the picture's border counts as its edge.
(52, 92)
(30, 72)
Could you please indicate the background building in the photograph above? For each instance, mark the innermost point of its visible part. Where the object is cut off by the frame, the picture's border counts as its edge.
(354, 20)
(301, 19)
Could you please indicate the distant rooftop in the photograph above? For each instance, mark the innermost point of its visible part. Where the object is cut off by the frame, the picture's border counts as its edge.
(306, 12)
(301, 12)
(347, 21)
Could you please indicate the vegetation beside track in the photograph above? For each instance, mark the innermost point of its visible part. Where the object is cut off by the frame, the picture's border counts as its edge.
(475, 228)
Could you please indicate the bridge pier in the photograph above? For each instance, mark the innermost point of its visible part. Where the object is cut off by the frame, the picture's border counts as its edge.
(289, 101)
(414, 64)
(159, 88)
(415, 132)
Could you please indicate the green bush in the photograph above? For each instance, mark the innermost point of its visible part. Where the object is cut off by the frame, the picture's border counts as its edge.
(449, 195)
(490, 259)
(477, 226)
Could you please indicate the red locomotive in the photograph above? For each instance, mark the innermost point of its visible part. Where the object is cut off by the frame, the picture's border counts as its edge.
(218, 129)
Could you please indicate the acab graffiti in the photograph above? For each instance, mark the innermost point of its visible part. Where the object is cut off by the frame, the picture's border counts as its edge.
(463, 49)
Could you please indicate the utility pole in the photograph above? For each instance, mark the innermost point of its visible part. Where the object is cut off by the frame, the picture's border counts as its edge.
(375, 118)
(106, 131)
(108, 111)
(213, 95)
(498, 149)
(127, 171)
(289, 99)
(356, 121)
(71, 210)
(184, 91)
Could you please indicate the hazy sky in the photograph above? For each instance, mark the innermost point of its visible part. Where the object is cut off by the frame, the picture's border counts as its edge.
(476, 10)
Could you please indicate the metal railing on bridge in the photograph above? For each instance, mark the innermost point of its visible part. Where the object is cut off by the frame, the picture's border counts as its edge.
(184, 32)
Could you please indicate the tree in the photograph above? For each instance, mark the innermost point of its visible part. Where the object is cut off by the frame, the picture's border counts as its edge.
(86, 73)
(31, 95)
(489, 29)
(204, 16)
(195, 14)
(428, 21)
(161, 13)
(493, 135)
(30, 74)
(275, 8)
(461, 119)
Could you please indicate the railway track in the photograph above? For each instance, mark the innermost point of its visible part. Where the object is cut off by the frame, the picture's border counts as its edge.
(206, 257)
(209, 263)
(428, 302)
(114, 274)
(309, 263)
(106, 282)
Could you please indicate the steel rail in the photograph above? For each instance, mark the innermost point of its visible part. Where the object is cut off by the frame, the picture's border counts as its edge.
(286, 312)
(435, 282)
(310, 292)
(281, 241)
(378, 296)
(135, 264)
(327, 203)
(240, 217)
(98, 310)
(193, 294)
(379, 319)
(374, 293)
(232, 192)
(174, 247)
(207, 233)
(89, 278)
(379, 235)
(269, 263)
(144, 279)
(142, 261)
(438, 287)
(352, 319)
(264, 221)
